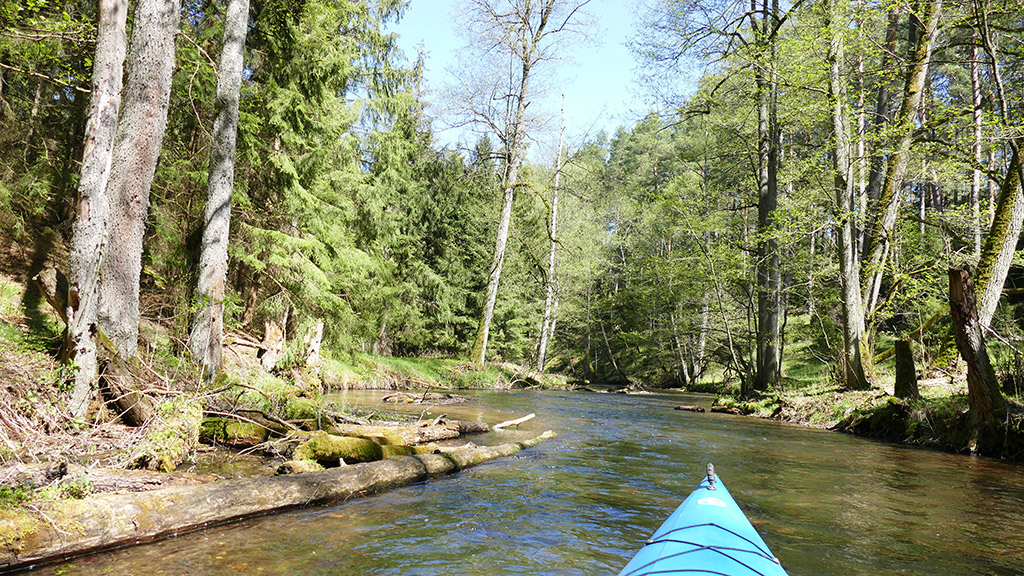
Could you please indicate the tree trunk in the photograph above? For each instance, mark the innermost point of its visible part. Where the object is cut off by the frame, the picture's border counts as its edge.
(877, 166)
(987, 407)
(853, 373)
(906, 374)
(768, 262)
(140, 132)
(529, 35)
(548, 324)
(208, 326)
(884, 214)
(1001, 242)
(976, 173)
(93, 210)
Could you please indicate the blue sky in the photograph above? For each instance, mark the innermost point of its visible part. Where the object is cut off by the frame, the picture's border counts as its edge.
(598, 82)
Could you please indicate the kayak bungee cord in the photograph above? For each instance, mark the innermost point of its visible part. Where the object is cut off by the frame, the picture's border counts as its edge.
(763, 552)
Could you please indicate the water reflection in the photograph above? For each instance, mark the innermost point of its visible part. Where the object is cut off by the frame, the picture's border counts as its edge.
(826, 503)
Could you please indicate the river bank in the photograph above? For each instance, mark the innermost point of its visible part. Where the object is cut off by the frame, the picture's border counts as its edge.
(937, 419)
(59, 476)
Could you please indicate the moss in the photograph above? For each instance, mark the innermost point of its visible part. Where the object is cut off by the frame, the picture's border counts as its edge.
(301, 408)
(328, 449)
(230, 432)
(299, 467)
(390, 450)
(171, 436)
(16, 526)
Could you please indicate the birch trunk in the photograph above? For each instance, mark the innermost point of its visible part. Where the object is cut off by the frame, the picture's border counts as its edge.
(548, 324)
(140, 132)
(208, 327)
(526, 45)
(853, 372)
(93, 208)
(884, 214)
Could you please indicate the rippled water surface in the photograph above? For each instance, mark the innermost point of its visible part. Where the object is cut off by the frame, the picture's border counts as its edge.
(826, 503)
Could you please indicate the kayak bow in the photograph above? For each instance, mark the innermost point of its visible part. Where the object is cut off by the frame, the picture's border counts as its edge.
(707, 534)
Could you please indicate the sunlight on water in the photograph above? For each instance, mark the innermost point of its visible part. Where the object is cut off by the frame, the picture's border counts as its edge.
(826, 503)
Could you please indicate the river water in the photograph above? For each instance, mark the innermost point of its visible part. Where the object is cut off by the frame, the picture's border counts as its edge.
(826, 503)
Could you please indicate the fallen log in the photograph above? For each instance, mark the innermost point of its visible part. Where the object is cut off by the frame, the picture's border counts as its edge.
(59, 530)
(515, 422)
(69, 476)
(420, 433)
(689, 408)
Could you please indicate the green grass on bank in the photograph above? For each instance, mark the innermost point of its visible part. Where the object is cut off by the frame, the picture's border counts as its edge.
(389, 372)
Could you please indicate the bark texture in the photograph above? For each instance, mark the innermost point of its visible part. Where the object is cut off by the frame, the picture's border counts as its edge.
(93, 208)
(986, 402)
(63, 529)
(140, 133)
(208, 327)
(1001, 242)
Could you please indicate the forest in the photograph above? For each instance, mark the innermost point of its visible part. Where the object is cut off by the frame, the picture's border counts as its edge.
(217, 214)
(832, 209)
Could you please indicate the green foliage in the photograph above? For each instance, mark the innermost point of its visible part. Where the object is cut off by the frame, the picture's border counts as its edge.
(14, 496)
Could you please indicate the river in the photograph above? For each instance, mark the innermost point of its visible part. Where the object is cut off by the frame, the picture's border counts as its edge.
(826, 503)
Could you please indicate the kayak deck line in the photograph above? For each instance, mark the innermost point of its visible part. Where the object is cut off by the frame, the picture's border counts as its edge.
(707, 534)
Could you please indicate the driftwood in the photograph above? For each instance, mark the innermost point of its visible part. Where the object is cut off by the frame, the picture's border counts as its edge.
(515, 422)
(433, 398)
(420, 433)
(690, 408)
(59, 530)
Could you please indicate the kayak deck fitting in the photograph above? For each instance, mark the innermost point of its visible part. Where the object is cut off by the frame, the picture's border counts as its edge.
(707, 534)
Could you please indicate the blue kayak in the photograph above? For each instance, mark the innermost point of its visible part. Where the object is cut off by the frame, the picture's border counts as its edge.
(707, 534)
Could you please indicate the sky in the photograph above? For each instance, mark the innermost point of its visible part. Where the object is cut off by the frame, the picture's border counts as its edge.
(600, 92)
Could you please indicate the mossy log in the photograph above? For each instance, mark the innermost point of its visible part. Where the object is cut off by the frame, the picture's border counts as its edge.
(420, 433)
(328, 449)
(59, 530)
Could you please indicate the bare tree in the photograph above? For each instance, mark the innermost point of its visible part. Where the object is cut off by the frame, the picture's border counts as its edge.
(509, 39)
(93, 205)
(208, 326)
